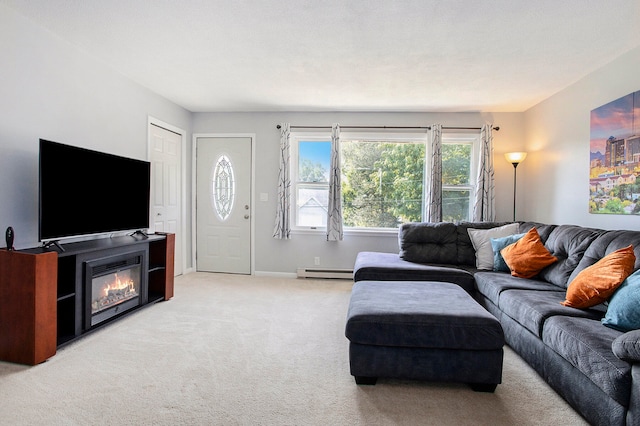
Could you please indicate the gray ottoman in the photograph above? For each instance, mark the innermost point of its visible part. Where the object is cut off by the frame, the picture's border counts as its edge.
(425, 330)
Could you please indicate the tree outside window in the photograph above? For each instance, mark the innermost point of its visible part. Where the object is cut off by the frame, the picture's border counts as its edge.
(382, 183)
(383, 180)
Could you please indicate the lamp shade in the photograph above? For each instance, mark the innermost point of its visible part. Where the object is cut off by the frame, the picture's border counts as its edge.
(515, 157)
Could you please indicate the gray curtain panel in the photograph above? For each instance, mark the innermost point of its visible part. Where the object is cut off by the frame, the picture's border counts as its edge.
(334, 218)
(282, 229)
(484, 204)
(434, 196)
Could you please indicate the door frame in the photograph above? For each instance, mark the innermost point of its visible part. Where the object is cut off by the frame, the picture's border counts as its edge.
(194, 165)
(183, 177)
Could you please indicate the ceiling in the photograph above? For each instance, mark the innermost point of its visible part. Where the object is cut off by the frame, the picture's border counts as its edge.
(347, 55)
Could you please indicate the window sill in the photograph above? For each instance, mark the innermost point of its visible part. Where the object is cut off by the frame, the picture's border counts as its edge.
(373, 232)
(356, 232)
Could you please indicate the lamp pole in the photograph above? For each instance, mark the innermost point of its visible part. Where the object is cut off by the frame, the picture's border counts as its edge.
(515, 165)
(515, 158)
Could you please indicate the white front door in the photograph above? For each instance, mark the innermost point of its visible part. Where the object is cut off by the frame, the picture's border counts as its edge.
(166, 158)
(223, 204)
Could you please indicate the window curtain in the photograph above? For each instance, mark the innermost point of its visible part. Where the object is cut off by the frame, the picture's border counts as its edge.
(484, 204)
(282, 229)
(434, 196)
(334, 218)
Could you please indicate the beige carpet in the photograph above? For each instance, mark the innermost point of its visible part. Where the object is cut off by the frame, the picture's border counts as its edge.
(238, 350)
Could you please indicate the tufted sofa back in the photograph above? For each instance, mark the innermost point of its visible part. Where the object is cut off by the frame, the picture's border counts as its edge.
(440, 243)
(427, 242)
(605, 243)
(568, 243)
(576, 247)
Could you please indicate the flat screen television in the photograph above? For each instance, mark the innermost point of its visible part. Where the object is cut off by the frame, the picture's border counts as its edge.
(84, 192)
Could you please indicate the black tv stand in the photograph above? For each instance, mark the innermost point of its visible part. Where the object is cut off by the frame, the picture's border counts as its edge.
(43, 292)
(48, 244)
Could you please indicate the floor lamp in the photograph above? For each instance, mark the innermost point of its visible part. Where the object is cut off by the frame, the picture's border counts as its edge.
(515, 158)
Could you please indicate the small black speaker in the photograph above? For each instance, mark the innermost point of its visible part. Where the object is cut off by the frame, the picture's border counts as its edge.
(9, 236)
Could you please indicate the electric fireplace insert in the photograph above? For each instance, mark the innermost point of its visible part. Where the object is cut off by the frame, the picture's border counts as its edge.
(114, 285)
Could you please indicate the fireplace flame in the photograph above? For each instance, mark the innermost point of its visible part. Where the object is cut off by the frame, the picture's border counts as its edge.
(119, 284)
(114, 289)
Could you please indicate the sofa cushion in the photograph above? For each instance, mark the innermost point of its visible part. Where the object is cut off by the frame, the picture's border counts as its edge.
(586, 345)
(568, 243)
(375, 266)
(596, 283)
(531, 308)
(466, 252)
(429, 243)
(481, 241)
(527, 256)
(491, 284)
(605, 243)
(623, 312)
(627, 346)
(543, 229)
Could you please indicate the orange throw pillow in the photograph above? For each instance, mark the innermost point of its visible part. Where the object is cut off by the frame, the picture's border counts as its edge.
(596, 283)
(527, 256)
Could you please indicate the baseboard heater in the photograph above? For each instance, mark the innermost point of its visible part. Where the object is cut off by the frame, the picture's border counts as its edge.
(345, 274)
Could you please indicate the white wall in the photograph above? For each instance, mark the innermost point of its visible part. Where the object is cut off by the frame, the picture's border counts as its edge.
(287, 255)
(556, 172)
(49, 89)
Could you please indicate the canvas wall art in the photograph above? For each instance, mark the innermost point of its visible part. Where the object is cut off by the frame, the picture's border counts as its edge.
(614, 178)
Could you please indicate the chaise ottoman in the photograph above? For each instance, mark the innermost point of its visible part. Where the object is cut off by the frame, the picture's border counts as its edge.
(425, 330)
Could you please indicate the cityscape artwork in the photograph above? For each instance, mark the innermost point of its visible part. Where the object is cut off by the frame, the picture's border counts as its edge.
(614, 178)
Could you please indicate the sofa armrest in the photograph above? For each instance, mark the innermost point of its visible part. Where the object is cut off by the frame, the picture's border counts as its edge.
(627, 346)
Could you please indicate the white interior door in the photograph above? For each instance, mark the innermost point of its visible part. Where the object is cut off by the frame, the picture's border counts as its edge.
(166, 186)
(223, 204)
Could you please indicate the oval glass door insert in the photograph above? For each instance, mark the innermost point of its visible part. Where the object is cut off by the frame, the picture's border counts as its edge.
(223, 187)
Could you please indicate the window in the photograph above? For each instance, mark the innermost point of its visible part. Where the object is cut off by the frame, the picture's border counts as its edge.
(310, 166)
(223, 188)
(382, 181)
(383, 178)
(458, 176)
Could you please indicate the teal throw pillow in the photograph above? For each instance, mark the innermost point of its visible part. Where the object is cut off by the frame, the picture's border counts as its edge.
(498, 244)
(623, 313)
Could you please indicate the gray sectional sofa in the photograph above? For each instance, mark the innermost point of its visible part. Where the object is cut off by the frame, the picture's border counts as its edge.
(595, 368)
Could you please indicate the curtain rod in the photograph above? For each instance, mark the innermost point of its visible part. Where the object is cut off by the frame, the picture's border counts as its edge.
(496, 128)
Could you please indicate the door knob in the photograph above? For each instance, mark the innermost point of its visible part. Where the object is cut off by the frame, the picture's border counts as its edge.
(246, 216)
(246, 206)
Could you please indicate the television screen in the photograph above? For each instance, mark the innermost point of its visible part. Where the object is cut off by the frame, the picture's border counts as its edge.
(85, 192)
